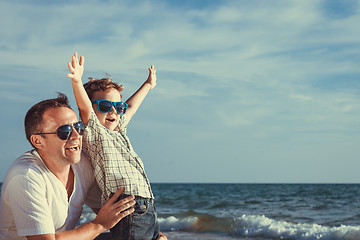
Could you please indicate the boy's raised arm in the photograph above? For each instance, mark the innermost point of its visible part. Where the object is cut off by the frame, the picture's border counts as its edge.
(136, 99)
(82, 100)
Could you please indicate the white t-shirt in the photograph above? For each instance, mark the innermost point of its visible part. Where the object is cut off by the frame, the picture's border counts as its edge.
(34, 201)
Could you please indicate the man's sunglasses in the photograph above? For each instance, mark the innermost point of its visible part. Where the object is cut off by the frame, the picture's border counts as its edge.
(105, 106)
(65, 131)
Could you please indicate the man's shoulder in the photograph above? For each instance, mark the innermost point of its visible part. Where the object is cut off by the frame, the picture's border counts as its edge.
(29, 161)
(25, 169)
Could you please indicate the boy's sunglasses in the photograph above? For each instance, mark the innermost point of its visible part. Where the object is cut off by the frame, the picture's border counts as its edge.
(105, 106)
(65, 131)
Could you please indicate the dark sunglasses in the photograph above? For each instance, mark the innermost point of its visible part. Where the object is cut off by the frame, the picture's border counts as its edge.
(105, 106)
(65, 131)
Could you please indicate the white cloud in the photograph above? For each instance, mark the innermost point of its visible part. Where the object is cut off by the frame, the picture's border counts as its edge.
(239, 69)
(300, 97)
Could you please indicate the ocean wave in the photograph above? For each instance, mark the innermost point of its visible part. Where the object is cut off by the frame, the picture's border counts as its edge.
(256, 226)
(247, 226)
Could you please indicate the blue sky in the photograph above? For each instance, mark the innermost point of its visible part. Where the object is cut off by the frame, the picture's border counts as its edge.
(248, 91)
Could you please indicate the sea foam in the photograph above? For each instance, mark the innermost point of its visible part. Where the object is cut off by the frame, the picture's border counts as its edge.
(254, 226)
(260, 226)
(251, 226)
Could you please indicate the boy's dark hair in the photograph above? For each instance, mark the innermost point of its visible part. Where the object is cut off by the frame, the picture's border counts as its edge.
(34, 117)
(104, 84)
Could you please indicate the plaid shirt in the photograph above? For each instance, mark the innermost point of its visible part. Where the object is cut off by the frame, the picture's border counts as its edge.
(114, 161)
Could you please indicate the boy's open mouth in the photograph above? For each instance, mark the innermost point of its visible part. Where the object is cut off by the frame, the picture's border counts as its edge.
(110, 119)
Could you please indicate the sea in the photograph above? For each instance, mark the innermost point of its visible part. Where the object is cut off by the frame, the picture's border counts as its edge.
(256, 211)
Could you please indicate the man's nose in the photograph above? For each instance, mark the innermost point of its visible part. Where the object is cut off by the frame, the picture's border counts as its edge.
(74, 134)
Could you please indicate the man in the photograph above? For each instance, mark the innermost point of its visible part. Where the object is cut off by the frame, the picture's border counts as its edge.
(44, 190)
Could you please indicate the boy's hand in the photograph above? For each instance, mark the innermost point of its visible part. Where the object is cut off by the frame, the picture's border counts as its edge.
(152, 77)
(76, 68)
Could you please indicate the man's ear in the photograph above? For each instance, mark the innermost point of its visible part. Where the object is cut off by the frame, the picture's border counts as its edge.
(36, 141)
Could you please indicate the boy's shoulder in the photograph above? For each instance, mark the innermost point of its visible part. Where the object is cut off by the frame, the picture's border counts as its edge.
(122, 126)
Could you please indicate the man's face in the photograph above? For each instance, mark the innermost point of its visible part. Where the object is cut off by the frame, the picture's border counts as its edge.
(53, 150)
(110, 119)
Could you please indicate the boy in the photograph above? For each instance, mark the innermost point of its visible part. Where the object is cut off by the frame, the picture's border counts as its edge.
(109, 149)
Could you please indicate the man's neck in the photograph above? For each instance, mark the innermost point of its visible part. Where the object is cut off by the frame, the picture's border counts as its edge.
(70, 183)
(62, 172)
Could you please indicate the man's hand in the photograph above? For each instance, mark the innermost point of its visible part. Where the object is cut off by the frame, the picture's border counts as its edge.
(152, 77)
(162, 237)
(76, 68)
(109, 215)
(112, 212)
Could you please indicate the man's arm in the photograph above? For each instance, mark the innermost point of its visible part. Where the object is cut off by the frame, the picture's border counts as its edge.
(109, 215)
(136, 99)
(82, 100)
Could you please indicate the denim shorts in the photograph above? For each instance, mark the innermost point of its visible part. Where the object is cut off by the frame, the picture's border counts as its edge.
(142, 224)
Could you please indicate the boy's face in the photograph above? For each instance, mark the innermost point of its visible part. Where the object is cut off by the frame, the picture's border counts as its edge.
(110, 119)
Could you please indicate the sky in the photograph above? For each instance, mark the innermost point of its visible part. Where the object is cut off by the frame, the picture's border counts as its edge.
(261, 91)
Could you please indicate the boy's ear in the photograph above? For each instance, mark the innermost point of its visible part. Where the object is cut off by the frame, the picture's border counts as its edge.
(36, 141)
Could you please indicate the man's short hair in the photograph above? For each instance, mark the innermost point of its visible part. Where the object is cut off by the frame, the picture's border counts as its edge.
(104, 84)
(34, 117)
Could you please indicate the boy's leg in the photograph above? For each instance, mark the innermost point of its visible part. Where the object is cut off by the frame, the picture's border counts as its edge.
(122, 230)
(104, 236)
(142, 224)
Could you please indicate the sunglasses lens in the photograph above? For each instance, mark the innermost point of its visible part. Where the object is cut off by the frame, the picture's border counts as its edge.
(104, 106)
(64, 132)
(79, 127)
(121, 107)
